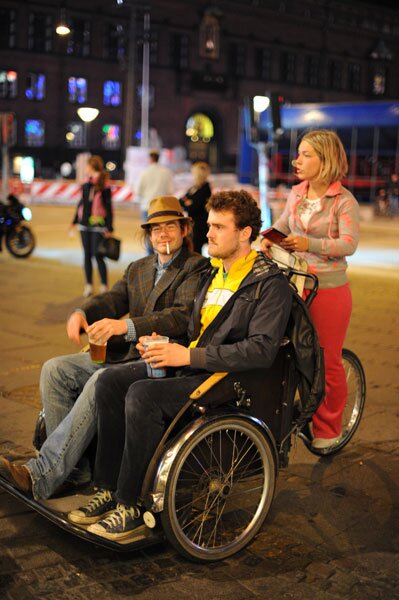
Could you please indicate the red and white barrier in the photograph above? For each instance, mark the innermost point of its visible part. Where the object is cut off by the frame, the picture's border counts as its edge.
(69, 192)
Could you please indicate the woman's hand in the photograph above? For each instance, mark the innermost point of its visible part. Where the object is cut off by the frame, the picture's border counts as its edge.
(295, 243)
(107, 234)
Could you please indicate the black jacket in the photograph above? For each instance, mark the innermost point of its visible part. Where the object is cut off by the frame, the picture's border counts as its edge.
(83, 209)
(247, 332)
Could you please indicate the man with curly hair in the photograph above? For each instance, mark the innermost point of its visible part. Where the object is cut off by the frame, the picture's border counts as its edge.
(238, 322)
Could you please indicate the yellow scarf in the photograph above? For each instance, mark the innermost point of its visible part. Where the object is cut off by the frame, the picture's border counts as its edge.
(222, 287)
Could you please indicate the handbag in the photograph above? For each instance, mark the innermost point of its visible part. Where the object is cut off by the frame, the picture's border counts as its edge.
(291, 260)
(110, 247)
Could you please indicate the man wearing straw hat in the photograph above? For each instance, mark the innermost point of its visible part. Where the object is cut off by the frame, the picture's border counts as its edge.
(157, 294)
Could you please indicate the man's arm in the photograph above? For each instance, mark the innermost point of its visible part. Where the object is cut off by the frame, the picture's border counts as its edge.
(257, 350)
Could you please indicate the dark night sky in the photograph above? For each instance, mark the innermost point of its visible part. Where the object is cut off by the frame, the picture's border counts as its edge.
(390, 3)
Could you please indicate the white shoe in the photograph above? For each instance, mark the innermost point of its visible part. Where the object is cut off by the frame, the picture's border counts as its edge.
(322, 443)
(103, 288)
(88, 290)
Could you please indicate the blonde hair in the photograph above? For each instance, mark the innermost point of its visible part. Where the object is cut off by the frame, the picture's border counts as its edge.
(200, 171)
(331, 152)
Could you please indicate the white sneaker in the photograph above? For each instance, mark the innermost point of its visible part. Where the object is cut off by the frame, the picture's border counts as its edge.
(322, 443)
(88, 290)
(103, 288)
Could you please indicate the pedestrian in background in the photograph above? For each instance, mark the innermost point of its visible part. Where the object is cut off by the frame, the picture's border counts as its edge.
(393, 194)
(194, 203)
(94, 219)
(321, 220)
(155, 181)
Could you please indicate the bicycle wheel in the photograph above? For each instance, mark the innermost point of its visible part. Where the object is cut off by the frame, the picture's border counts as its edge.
(219, 489)
(356, 382)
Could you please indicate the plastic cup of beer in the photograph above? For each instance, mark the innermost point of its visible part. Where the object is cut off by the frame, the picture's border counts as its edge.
(148, 342)
(98, 350)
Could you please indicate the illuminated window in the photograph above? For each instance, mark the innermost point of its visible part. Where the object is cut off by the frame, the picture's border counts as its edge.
(209, 37)
(8, 84)
(111, 136)
(112, 93)
(77, 90)
(199, 128)
(35, 86)
(75, 136)
(34, 132)
(379, 84)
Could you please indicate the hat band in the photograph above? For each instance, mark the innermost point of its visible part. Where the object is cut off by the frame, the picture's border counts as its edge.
(163, 213)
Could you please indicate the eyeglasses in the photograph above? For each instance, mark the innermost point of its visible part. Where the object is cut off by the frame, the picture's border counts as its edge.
(168, 227)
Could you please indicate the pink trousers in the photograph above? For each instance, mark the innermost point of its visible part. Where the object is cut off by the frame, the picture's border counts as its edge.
(331, 311)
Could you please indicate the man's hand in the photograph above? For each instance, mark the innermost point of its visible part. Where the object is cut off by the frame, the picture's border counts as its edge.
(75, 323)
(140, 343)
(102, 330)
(166, 355)
(295, 243)
(265, 245)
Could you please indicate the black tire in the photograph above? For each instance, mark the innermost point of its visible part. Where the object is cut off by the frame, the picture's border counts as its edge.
(21, 242)
(355, 404)
(219, 489)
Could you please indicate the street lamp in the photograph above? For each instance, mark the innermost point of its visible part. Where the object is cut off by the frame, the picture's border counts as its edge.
(262, 136)
(62, 26)
(88, 114)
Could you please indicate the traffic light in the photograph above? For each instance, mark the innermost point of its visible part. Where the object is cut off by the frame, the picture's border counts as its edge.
(7, 129)
(276, 100)
(263, 117)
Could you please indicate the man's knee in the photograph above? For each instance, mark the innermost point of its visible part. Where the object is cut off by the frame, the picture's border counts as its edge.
(52, 369)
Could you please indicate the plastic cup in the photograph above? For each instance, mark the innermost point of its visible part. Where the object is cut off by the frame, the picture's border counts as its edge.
(152, 341)
(97, 351)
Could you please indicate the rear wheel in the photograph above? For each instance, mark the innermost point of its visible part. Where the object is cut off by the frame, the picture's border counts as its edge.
(219, 489)
(356, 382)
(21, 242)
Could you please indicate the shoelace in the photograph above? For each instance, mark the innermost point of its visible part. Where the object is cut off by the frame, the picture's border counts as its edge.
(120, 514)
(97, 500)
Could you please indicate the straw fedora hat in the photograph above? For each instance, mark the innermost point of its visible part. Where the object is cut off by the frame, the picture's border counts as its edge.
(164, 208)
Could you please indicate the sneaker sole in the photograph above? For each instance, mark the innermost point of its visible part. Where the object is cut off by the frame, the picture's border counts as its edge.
(88, 520)
(115, 537)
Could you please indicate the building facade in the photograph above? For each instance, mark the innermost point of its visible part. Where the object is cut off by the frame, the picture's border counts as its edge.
(205, 58)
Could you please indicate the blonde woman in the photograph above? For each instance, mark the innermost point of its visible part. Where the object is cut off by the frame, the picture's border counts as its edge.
(321, 219)
(194, 203)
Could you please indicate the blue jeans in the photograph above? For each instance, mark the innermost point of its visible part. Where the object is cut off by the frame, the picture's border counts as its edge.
(67, 391)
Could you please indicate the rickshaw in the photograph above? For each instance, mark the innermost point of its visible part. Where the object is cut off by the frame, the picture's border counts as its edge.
(211, 481)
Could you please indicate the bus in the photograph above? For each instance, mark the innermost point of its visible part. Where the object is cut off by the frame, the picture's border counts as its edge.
(368, 130)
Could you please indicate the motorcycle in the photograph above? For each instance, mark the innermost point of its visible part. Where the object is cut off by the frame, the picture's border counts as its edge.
(19, 238)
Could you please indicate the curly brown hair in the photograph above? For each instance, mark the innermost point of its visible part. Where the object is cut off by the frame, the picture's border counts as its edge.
(243, 206)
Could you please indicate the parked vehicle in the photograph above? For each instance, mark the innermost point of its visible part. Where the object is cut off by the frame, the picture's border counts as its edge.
(19, 238)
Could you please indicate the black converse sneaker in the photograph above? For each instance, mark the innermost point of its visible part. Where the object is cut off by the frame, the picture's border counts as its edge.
(119, 524)
(101, 505)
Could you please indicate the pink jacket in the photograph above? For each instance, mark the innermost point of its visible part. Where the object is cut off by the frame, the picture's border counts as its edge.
(333, 231)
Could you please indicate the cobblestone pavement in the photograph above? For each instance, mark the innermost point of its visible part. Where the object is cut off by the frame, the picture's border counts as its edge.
(333, 529)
